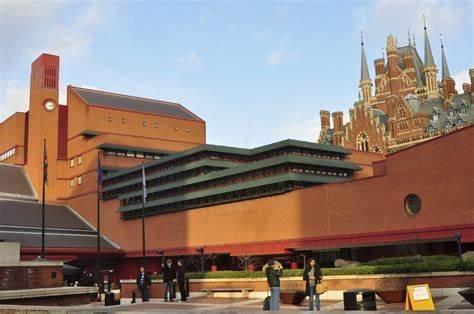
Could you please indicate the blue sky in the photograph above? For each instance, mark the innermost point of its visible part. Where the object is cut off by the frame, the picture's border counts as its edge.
(256, 71)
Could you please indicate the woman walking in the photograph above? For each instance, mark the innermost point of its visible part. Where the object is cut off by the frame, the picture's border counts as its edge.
(313, 276)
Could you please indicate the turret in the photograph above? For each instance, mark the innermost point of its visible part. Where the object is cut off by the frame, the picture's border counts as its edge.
(471, 75)
(429, 68)
(392, 65)
(447, 82)
(338, 127)
(379, 65)
(325, 122)
(365, 81)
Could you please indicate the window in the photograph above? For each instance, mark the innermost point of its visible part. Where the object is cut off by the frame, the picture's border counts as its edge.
(435, 117)
(72, 163)
(363, 142)
(79, 160)
(122, 121)
(79, 180)
(71, 183)
(417, 123)
(176, 128)
(188, 129)
(130, 154)
(412, 204)
(156, 125)
(109, 118)
(139, 155)
(8, 153)
(144, 123)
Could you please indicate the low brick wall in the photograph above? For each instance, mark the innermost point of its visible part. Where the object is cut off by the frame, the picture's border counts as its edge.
(375, 282)
(30, 277)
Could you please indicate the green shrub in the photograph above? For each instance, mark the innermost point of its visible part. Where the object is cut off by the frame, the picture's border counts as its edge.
(393, 265)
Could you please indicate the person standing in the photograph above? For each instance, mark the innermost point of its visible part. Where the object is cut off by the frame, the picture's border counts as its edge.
(312, 275)
(273, 271)
(169, 276)
(181, 278)
(143, 284)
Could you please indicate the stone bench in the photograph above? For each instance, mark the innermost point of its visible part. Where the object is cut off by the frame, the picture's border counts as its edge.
(48, 296)
(212, 292)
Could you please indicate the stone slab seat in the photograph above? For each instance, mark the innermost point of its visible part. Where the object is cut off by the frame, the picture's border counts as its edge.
(45, 292)
(210, 292)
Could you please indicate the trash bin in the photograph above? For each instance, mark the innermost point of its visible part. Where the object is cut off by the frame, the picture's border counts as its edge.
(110, 299)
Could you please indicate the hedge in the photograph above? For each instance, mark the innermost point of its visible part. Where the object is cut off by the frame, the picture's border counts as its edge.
(395, 265)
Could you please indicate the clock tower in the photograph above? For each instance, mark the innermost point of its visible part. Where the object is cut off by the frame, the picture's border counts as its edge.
(43, 123)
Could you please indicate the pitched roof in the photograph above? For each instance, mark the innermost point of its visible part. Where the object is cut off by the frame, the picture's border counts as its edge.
(132, 103)
(14, 183)
(21, 222)
(364, 69)
(429, 61)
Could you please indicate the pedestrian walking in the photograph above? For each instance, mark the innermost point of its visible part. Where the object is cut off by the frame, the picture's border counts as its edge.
(313, 276)
(273, 271)
(143, 284)
(181, 278)
(169, 276)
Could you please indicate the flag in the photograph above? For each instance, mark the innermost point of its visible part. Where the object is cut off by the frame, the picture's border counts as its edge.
(100, 177)
(45, 163)
(144, 184)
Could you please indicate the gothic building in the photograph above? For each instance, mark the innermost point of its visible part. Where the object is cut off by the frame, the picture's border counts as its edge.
(409, 104)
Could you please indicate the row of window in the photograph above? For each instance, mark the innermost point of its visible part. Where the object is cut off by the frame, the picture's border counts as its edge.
(73, 161)
(8, 154)
(73, 181)
(156, 125)
(133, 154)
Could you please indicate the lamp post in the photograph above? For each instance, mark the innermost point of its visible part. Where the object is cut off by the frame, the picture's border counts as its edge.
(200, 250)
(457, 237)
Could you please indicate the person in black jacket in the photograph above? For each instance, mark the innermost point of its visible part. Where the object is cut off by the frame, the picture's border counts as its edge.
(274, 270)
(181, 277)
(169, 277)
(143, 284)
(312, 275)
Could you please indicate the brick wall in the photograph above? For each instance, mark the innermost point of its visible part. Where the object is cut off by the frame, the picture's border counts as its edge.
(30, 277)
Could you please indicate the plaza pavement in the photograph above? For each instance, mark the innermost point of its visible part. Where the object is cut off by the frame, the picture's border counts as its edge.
(453, 303)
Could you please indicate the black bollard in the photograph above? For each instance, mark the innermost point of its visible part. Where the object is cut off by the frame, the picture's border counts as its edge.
(134, 297)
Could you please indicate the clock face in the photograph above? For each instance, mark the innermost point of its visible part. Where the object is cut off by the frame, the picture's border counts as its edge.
(49, 105)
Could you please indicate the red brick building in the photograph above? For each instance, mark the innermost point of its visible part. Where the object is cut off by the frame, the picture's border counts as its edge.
(283, 199)
(409, 106)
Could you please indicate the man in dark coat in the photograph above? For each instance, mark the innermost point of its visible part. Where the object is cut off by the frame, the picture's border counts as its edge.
(181, 277)
(313, 276)
(143, 284)
(274, 270)
(169, 277)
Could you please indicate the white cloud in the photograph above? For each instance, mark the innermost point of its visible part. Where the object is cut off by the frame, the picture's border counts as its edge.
(190, 59)
(397, 16)
(16, 98)
(74, 40)
(460, 78)
(275, 57)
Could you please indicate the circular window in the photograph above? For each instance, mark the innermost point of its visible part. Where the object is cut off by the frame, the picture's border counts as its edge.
(412, 204)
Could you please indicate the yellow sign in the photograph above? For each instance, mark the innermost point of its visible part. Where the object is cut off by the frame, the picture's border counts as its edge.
(418, 298)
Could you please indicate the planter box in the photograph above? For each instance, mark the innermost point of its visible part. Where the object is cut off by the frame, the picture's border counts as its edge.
(388, 282)
(294, 297)
(392, 296)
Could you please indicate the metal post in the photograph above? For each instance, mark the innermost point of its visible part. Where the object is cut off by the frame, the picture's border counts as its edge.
(43, 206)
(143, 234)
(457, 236)
(99, 191)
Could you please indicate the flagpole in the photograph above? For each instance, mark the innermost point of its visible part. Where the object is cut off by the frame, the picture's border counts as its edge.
(143, 215)
(99, 191)
(43, 209)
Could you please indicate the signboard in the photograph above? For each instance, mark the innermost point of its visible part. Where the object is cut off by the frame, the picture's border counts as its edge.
(418, 298)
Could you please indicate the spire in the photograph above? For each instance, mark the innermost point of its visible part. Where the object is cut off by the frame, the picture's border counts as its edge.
(444, 63)
(364, 70)
(409, 38)
(429, 61)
